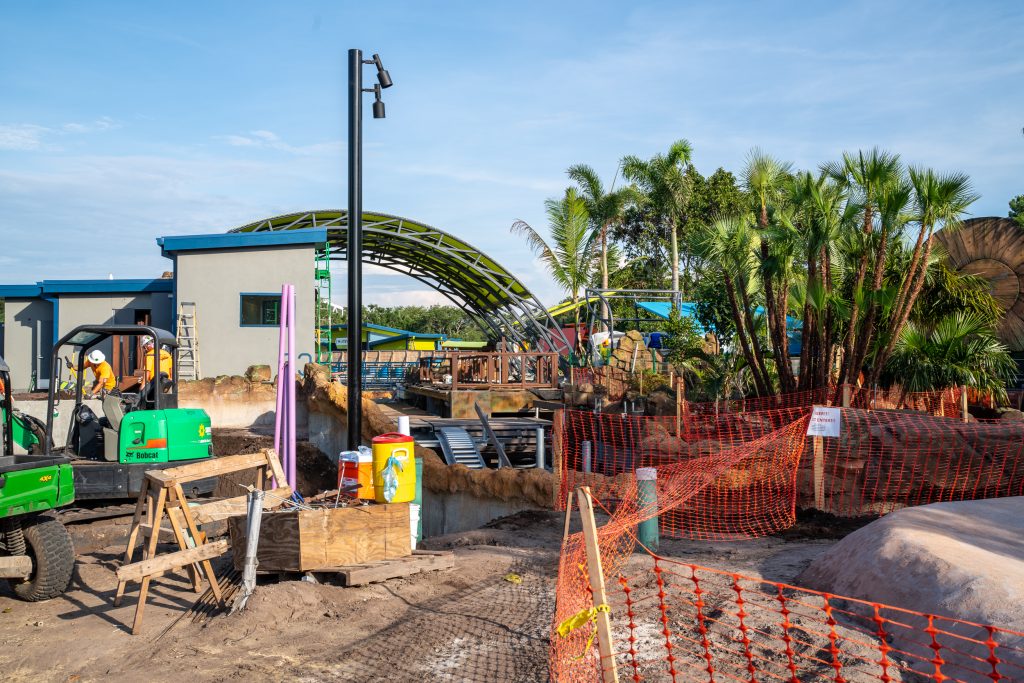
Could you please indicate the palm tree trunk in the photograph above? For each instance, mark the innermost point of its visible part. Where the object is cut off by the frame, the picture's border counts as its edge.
(755, 342)
(825, 346)
(866, 335)
(604, 272)
(848, 340)
(762, 389)
(807, 331)
(675, 258)
(908, 304)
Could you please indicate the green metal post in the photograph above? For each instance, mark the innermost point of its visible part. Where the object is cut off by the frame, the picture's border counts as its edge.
(647, 500)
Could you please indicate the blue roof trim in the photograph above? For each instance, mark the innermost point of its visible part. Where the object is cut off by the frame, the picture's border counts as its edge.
(242, 240)
(106, 286)
(20, 291)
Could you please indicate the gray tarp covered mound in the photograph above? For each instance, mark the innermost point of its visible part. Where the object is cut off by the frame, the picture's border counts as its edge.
(963, 560)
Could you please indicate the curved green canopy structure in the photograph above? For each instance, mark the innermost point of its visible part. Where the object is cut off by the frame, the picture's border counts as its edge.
(498, 302)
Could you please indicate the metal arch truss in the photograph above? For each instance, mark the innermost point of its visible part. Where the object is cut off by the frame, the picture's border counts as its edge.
(493, 298)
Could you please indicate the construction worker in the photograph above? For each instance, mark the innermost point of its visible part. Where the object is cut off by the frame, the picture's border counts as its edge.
(166, 361)
(103, 374)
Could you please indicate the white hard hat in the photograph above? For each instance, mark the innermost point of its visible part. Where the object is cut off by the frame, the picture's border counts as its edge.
(147, 341)
(96, 357)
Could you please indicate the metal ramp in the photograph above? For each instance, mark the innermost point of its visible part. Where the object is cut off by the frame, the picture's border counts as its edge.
(460, 448)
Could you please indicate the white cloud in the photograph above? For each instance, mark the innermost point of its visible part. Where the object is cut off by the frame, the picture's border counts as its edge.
(23, 137)
(31, 137)
(265, 139)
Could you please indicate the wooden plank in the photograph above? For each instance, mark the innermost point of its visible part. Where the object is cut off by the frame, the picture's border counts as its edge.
(230, 507)
(596, 575)
(171, 561)
(382, 571)
(819, 472)
(15, 567)
(207, 468)
(275, 467)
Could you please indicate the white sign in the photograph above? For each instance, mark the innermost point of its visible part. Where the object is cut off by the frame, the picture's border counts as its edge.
(824, 422)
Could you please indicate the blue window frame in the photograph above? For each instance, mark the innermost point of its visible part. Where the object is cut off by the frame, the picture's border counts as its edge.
(259, 309)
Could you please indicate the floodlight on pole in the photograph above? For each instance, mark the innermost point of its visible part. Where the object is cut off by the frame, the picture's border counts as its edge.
(354, 250)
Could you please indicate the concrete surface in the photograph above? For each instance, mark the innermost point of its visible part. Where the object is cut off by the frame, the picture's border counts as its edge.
(449, 513)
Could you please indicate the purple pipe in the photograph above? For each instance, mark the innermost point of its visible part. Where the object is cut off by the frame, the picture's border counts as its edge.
(281, 384)
(292, 355)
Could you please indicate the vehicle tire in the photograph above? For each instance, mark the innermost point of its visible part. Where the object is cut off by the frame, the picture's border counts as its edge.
(53, 559)
(37, 428)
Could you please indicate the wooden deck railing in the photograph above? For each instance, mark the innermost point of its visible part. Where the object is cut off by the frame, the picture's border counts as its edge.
(492, 369)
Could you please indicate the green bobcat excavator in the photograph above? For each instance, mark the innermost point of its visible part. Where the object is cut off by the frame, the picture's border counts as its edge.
(139, 430)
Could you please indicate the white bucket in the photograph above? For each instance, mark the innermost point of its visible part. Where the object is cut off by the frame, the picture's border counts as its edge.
(414, 522)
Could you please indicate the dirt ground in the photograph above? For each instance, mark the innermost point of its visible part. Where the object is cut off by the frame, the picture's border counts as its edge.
(466, 624)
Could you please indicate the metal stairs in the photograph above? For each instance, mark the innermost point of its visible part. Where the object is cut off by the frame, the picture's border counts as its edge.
(459, 448)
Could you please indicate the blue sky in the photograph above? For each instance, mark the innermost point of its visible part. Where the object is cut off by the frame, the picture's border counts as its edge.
(122, 122)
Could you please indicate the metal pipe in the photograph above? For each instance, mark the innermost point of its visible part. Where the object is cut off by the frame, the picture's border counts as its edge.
(279, 404)
(292, 455)
(252, 539)
(540, 448)
(355, 248)
(585, 449)
(647, 501)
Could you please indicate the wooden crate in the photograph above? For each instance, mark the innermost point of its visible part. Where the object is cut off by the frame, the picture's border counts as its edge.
(311, 540)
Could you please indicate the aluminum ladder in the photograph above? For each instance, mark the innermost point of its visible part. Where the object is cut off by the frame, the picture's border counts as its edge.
(459, 448)
(188, 341)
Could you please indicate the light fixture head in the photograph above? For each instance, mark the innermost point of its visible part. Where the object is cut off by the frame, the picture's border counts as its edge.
(378, 106)
(383, 77)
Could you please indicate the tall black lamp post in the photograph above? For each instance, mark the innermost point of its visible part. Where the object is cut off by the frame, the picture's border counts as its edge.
(355, 230)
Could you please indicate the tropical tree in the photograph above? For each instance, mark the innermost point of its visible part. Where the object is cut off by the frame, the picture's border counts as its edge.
(604, 208)
(1017, 210)
(939, 201)
(570, 257)
(960, 349)
(663, 185)
(867, 177)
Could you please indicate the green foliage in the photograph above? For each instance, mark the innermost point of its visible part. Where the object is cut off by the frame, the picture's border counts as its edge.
(959, 349)
(1017, 209)
(684, 341)
(712, 308)
(947, 292)
(447, 320)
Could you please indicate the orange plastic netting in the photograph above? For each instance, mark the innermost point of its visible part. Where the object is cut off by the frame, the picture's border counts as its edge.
(742, 473)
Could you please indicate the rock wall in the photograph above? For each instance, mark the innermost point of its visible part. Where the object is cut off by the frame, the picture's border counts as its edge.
(236, 402)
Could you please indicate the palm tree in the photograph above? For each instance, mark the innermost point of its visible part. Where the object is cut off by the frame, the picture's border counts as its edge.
(939, 201)
(731, 244)
(662, 180)
(764, 178)
(959, 350)
(605, 209)
(570, 255)
(866, 176)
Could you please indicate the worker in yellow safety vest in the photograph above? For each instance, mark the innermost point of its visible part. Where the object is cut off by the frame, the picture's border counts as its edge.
(103, 374)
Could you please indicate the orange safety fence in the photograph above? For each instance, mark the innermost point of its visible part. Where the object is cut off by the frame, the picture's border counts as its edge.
(751, 494)
(675, 621)
(884, 460)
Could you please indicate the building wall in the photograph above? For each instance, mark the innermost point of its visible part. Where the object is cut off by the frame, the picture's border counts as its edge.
(109, 309)
(28, 336)
(214, 279)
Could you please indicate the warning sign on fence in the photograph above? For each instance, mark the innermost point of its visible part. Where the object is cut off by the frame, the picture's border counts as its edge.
(824, 422)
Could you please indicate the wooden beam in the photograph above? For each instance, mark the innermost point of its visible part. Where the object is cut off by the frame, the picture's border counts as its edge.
(230, 507)
(819, 472)
(15, 567)
(609, 673)
(208, 468)
(171, 561)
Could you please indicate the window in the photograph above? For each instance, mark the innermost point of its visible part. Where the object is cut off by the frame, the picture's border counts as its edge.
(261, 310)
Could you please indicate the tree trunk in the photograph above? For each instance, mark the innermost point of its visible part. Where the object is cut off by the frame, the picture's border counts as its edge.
(866, 335)
(604, 272)
(848, 340)
(824, 362)
(755, 342)
(762, 389)
(675, 257)
(908, 305)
